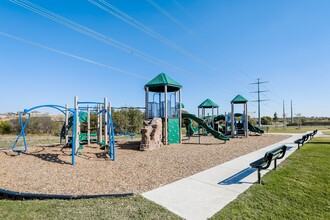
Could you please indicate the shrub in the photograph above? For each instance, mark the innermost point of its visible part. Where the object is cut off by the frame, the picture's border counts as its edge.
(5, 127)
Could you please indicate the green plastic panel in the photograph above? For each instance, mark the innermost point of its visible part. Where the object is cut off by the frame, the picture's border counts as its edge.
(173, 131)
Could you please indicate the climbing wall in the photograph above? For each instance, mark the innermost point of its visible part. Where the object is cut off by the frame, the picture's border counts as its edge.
(173, 131)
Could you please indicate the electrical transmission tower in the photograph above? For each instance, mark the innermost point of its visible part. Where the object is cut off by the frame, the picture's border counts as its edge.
(259, 100)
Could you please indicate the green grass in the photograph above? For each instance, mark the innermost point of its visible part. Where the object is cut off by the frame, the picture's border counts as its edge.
(326, 132)
(280, 129)
(105, 208)
(7, 141)
(299, 189)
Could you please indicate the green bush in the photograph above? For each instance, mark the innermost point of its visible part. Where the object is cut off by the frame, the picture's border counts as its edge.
(266, 120)
(37, 125)
(5, 127)
(129, 120)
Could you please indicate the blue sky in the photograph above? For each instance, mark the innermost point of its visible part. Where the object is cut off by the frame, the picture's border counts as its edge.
(214, 48)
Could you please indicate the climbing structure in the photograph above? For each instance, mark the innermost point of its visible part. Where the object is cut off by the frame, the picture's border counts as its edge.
(163, 100)
(243, 125)
(73, 118)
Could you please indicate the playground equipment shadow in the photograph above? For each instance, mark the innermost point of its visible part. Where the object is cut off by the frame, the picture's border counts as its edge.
(49, 171)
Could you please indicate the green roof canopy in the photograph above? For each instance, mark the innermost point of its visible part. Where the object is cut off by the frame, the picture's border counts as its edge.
(239, 99)
(208, 103)
(158, 84)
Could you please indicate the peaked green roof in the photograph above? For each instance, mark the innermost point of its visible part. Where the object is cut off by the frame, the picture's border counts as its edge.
(158, 84)
(208, 103)
(239, 99)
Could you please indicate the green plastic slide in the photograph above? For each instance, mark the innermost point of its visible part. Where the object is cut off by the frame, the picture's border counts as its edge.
(208, 128)
(255, 129)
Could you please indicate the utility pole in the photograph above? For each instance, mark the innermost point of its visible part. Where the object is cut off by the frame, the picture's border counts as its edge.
(291, 113)
(259, 100)
(284, 120)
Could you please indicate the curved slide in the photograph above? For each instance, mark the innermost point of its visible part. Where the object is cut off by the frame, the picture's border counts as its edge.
(208, 128)
(255, 129)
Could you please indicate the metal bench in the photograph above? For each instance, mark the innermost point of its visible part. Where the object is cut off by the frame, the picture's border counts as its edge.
(311, 135)
(302, 140)
(264, 163)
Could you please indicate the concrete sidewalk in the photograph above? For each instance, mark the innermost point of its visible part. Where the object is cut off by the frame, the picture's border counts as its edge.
(201, 195)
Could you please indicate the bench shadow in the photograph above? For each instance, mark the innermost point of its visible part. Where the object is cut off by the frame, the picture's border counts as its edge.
(237, 177)
(288, 148)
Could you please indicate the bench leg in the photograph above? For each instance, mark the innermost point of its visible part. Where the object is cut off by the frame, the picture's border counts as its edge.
(298, 146)
(259, 176)
(275, 164)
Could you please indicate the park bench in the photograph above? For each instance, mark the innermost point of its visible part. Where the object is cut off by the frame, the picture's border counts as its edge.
(311, 135)
(264, 163)
(302, 140)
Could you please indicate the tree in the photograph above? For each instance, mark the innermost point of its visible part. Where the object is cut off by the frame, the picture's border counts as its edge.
(266, 120)
(275, 119)
(128, 120)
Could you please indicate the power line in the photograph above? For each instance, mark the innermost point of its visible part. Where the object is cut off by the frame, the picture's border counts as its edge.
(182, 9)
(96, 35)
(259, 100)
(71, 55)
(171, 17)
(109, 8)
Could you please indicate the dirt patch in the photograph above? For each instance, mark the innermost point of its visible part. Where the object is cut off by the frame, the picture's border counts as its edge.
(48, 169)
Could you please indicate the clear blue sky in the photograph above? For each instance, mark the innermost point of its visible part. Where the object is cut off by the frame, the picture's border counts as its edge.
(214, 48)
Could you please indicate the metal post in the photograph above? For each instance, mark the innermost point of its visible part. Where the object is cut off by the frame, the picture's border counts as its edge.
(160, 104)
(98, 123)
(232, 121)
(259, 119)
(146, 115)
(284, 120)
(291, 113)
(259, 176)
(66, 124)
(101, 123)
(88, 126)
(166, 136)
(212, 117)
(106, 137)
(77, 125)
(180, 115)
(246, 120)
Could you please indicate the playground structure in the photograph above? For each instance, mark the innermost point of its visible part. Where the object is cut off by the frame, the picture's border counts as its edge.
(73, 119)
(208, 104)
(168, 106)
(203, 124)
(235, 126)
(242, 127)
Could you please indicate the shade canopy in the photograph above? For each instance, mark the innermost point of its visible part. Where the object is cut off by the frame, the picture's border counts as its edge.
(239, 100)
(208, 103)
(158, 84)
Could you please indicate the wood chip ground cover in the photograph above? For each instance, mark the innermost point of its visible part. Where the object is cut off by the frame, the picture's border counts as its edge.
(47, 169)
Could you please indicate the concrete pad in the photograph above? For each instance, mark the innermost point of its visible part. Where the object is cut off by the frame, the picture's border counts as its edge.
(201, 195)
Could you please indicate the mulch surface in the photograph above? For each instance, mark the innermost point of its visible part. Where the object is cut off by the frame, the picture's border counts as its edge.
(48, 169)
